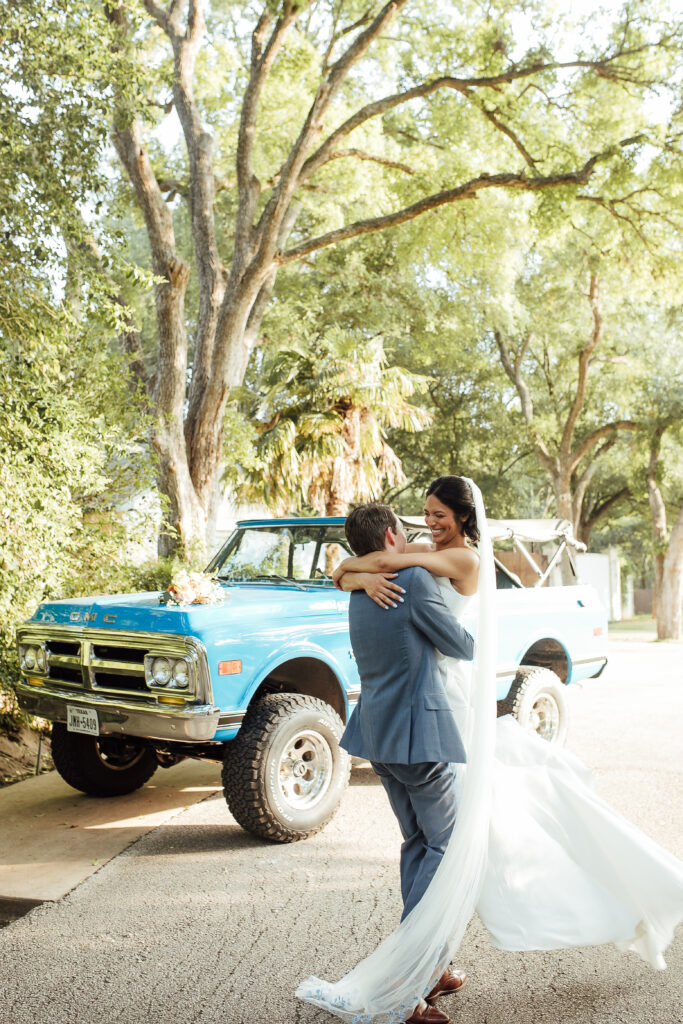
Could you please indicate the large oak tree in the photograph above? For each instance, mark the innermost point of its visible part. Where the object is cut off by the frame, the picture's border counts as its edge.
(436, 106)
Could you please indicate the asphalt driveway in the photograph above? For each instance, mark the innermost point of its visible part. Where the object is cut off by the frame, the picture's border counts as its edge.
(197, 922)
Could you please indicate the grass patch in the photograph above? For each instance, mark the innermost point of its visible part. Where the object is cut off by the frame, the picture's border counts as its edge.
(640, 624)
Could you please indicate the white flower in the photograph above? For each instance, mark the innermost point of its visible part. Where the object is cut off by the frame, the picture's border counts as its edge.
(193, 588)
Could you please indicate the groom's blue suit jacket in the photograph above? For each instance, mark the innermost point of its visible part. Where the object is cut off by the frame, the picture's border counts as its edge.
(403, 715)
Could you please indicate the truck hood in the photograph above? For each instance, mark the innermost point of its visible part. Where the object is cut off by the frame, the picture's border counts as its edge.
(253, 604)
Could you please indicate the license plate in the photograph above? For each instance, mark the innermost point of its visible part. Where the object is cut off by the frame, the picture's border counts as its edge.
(82, 720)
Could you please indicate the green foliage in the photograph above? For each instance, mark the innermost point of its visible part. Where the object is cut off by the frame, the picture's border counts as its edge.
(57, 79)
(321, 413)
(70, 451)
(71, 434)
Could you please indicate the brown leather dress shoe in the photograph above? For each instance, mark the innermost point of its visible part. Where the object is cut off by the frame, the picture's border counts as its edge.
(428, 1015)
(449, 982)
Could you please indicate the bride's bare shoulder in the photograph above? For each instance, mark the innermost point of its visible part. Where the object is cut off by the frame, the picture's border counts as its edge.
(419, 545)
(468, 556)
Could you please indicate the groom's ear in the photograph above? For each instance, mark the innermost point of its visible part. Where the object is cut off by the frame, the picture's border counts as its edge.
(391, 538)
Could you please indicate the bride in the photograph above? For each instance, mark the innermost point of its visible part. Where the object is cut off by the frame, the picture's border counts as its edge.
(544, 861)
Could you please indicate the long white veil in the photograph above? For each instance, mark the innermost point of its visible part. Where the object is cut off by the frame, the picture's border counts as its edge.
(387, 985)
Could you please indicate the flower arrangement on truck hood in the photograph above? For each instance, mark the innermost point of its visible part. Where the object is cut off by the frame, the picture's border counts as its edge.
(192, 588)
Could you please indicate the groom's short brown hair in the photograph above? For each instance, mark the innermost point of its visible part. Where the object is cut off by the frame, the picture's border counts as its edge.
(366, 526)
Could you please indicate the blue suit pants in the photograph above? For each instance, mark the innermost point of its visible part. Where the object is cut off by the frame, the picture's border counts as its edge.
(424, 798)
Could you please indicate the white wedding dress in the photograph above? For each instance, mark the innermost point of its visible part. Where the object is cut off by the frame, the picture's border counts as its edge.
(563, 869)
(543, 860)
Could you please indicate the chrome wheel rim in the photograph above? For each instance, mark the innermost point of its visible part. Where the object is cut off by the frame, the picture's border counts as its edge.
(305, 770)
(119, 756)
(545, 717)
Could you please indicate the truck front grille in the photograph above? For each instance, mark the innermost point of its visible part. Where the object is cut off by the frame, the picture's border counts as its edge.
(114, 681)
(111, 663)
(61, 647)
(119, 667)
(64, 674)
(64, 661)
(94, 662)
(115, 653)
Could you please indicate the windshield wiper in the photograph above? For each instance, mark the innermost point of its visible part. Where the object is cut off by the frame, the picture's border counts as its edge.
(282, 579)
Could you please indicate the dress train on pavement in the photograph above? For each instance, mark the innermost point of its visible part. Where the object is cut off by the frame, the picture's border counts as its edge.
(563, 868)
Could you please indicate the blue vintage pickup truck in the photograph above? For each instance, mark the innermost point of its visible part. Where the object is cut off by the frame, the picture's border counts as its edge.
(264, 682)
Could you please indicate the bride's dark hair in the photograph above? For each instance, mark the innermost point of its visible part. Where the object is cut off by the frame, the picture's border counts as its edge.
(456, 494)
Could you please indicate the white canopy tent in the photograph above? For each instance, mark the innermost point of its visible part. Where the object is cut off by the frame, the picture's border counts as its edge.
(525, 531)
(534, 531)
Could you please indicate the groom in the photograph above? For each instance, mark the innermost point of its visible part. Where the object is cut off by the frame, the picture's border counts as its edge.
(403, 722)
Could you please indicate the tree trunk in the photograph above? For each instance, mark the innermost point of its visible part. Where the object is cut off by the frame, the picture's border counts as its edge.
(658, 510)
(347, 467)
(204, 427)
(562, 484)
(670, 597)
(336, 505)
(562, 460)
(184, 525)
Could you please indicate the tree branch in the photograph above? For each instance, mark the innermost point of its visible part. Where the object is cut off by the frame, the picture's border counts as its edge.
(336, 36)
(290, 174)
(579, 490)
(584, 363)
(461, 85)
(173, 272)
(173, 187)
(361, 155)
(161, 17)
(492, 116)
(601, 509)
(596, 435)
(514, 372)
(581, 485)
(610, 206)
(262, 59)
(195, 22)
(587, 474)
(518, 458)
(201, 193)
(465, 191)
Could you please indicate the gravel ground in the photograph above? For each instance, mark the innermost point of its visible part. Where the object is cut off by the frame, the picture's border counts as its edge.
(199, 923)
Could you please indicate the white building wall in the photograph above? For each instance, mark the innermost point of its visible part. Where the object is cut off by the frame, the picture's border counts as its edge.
(602, 571)
(227, 515)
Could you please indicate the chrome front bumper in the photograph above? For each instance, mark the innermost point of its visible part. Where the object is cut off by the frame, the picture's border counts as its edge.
(190, 724)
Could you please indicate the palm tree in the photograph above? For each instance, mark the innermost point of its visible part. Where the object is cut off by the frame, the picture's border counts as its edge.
(321, 416)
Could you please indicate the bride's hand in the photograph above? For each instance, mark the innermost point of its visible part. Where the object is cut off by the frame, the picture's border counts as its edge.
(378, 587)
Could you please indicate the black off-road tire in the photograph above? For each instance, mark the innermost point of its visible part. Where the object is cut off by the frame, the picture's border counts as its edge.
(538, 701)
(102, 765)
(284, 734)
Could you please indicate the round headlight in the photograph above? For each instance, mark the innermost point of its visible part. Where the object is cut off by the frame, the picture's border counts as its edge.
(41, 659)
(161, 671)
(30, 657)
(180, 675)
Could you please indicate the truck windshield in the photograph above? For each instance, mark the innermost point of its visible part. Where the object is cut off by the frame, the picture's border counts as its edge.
(304, 554)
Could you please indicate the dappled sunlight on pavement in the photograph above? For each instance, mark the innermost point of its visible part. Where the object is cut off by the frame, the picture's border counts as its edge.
(53, 836)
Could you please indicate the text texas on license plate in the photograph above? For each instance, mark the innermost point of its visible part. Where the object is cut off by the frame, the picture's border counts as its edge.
(82, 720)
